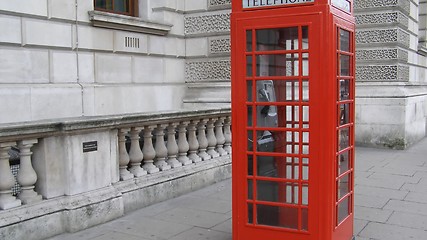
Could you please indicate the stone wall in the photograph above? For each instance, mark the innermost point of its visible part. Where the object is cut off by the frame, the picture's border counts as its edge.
(391, 74)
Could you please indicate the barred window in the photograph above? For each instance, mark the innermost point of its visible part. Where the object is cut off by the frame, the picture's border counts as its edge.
(125, 7)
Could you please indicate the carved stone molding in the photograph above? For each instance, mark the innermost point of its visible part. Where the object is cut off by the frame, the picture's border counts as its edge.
(219, 4)
(381, 54)
(382, 18)
(207, 24)
(219, 45)
(200, 71)
(382, 73)
(393, 35)
(366, 4)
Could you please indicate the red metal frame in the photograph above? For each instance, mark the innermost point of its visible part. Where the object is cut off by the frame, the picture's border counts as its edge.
(287, 213)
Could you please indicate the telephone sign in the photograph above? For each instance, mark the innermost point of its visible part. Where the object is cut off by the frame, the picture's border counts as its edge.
(266, 3)
(293, 101)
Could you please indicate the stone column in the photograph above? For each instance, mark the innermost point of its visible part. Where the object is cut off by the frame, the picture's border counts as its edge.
(148, 150)
(172, 146)
(123, 156)
(227, 134)
(160, 148)
(135, 153)
(27, 177)
(220, 138)
(7, 181)
(203, 141)
(193, 143)
(183, 146)
(211, 138)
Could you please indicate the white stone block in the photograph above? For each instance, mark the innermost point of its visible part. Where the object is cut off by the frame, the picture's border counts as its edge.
(95, 38)
(46, 33)
(86, 67)
(91, 170)
(174, 47)
(148, 69)
(196, 5)
(62, 9)
(11, 29)
(56, 101)
(24, 66)
(15, 104)
(33, 7)
(138, 98)
(130, 42)
(156, 45)
(88, 100)
(171, 4)
(177, 21)
(63, 66)
(174, 70)
(113, 68)
(413, 10)
(83, 7)
(196, 47)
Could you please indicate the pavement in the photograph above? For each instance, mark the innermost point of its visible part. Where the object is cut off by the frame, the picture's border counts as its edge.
(390, 204)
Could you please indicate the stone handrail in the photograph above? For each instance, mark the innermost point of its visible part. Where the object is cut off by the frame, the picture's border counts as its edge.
(145, 143)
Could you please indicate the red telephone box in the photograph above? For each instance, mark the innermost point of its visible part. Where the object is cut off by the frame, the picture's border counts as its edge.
(293, 119)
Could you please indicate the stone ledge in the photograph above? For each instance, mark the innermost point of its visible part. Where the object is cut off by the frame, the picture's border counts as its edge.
(127, 23)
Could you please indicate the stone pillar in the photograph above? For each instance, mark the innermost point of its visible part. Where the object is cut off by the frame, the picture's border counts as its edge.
(183, 146)
(192, 141)
(27, 177)
(160, 148)
(220, 138)
(7, 181)
(227, 134)
(123, 156)
(172, 146)
(135, 153)
(211, 138)
(203, 141)
(148, 150)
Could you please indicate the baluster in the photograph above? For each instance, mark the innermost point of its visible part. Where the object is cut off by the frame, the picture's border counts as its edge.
(148, 150)
(227, 134)
(7, 181)
(220, 138)
(193, 143)
(160, 148)
(135, 153)
(203, 141)
(27, 177)
(172, 146)
(183, 146)
(211, 138)
(123, 156)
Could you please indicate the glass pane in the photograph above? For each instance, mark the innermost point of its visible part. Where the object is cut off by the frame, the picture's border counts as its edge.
(278, 90)
(344, 117)
(250, 141)
(278, 141)
(342, 186)
(250, 213)
(288, 116)
(343, 210)
(344, 92)
(278, 65)
(285, 217)
(249, 66)
(249, 90)
(277, 39)
(305, 64)
(305, 194)
(249, 40)
(278, 167)
(344, 40)
(250, 165)
(304, 221)
(305, 90)
(343, 138)
(343, 162)
(305, 116)
(121, 5)
(250, 116)
(102, 4)
(277, 192)
(250, 190)
(305, 37)
(344, 65)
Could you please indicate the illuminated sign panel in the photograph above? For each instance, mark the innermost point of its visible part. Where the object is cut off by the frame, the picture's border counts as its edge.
(342, 4)
(266, 3)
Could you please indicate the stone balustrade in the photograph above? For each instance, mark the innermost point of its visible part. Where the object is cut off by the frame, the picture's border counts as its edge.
(129, 149)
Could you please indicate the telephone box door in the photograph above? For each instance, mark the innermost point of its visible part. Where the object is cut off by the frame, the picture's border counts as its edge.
(276, 194)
